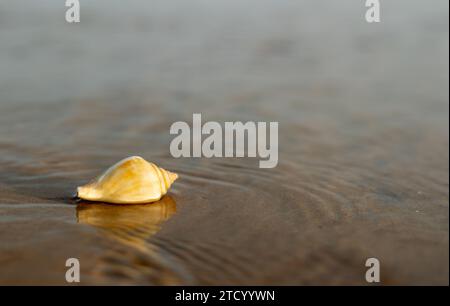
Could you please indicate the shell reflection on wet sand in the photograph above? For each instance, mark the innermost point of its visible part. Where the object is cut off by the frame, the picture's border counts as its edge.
(130, 224)
(131, 258)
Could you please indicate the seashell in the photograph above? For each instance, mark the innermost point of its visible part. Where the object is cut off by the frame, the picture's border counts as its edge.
(132, 180)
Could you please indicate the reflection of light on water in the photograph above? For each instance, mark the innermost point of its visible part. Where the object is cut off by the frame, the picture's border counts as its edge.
(130, 224)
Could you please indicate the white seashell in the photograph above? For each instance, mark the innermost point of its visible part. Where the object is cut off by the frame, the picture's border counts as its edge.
(132, 180)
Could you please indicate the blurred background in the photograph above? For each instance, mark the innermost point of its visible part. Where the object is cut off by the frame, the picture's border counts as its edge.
(363, 140)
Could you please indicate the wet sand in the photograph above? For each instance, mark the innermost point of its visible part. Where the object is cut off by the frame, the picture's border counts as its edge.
(363, 142)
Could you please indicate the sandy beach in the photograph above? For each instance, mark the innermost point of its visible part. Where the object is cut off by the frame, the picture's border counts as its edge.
(363, 114)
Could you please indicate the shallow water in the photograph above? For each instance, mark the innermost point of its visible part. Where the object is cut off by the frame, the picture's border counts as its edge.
(363, 141)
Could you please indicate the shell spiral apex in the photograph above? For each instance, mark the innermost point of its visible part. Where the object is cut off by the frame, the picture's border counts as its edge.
(132, 180)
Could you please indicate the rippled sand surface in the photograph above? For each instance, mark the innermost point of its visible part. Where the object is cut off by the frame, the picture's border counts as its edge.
(363, 140)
